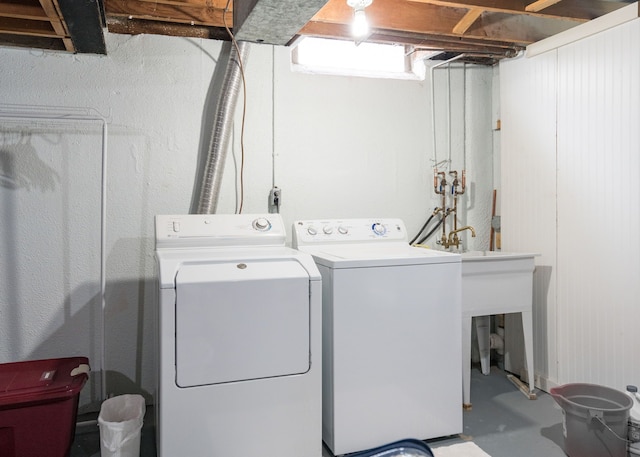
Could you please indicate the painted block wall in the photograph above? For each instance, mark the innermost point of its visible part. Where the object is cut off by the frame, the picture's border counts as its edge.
(336, 146)
(578, 201)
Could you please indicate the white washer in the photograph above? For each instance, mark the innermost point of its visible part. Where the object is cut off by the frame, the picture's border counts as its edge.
(239, 339)
(391, 333)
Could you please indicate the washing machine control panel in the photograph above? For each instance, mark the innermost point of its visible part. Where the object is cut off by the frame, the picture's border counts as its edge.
(330, 231)
(219, 230)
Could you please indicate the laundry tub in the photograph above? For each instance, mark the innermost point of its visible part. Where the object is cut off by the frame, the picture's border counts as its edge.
(595, 419)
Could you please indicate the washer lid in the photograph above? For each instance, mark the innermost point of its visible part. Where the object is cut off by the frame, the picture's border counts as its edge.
(241, 320)
(376, 255)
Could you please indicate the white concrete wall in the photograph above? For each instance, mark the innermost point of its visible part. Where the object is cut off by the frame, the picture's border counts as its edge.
(336, 146)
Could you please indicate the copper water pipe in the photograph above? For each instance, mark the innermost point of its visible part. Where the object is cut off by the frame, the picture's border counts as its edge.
(457, 190)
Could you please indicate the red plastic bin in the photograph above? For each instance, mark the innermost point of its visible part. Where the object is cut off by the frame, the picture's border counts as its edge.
(39, 406)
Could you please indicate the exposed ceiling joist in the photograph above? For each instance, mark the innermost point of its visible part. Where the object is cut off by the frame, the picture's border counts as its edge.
(53, 16)
(187, 12)
(39, 23)
(472, 15)
(540, 5)
(578, 10)
(25, 27)
(498, 28)
(419, 41)
(17, 11)
(120, 24)
(429, 19)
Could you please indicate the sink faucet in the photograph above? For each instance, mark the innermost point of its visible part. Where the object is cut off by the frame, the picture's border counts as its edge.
(454, 240)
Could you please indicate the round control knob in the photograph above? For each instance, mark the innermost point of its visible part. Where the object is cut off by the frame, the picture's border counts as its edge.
(379, 229)
(327, 229)
(343, 230)
(261, 224)
(312, 231)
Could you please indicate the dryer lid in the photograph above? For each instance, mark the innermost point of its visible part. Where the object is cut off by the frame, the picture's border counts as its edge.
(240, 321)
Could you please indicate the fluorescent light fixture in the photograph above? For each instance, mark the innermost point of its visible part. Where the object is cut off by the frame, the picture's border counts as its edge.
(359, 26)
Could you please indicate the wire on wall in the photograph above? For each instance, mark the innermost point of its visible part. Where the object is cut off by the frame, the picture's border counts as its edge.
(464, 115)
(273, 116)
(449, 113)
(244, 106)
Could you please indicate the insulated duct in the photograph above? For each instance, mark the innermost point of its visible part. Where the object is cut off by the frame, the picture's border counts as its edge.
(209, 190)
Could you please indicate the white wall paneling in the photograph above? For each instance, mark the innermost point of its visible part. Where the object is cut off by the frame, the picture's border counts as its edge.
(528, 198)
(586, 109)
(598, 199)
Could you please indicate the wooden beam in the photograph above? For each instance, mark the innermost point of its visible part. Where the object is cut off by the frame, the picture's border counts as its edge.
(54, 44)
(577, 10)
(396, 15)
(26, 27)
(540, 5)
(429, 19)
(139, 26)
(419, 41)
(43, 24)
(18, 11)
(449, 44)
(630, 12)
(187, 14)
(50, 9)
(583, 9)
(55, 18)
(218, 4)
(467, 21)
(68, 45)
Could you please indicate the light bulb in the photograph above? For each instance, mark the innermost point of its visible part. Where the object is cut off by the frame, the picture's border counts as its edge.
(360, 26)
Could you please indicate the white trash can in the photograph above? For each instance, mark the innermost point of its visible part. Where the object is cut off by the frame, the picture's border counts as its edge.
(120, 421)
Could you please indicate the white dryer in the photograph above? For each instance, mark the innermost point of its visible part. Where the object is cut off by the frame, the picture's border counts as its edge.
(239, 339)
(391, 333)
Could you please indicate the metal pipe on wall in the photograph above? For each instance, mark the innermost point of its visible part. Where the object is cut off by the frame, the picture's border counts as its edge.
(433, 104)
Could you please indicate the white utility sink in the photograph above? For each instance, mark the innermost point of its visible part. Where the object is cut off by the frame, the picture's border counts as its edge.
(498, 254)
(495, 282)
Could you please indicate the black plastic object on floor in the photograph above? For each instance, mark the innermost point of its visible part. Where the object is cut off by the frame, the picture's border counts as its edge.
(405, 448)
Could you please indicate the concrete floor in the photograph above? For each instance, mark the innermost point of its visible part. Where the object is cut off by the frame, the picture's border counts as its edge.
(503, 422)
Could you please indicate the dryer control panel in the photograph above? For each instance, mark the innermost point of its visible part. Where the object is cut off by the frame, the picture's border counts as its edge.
(208, 230)
(333, 231)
